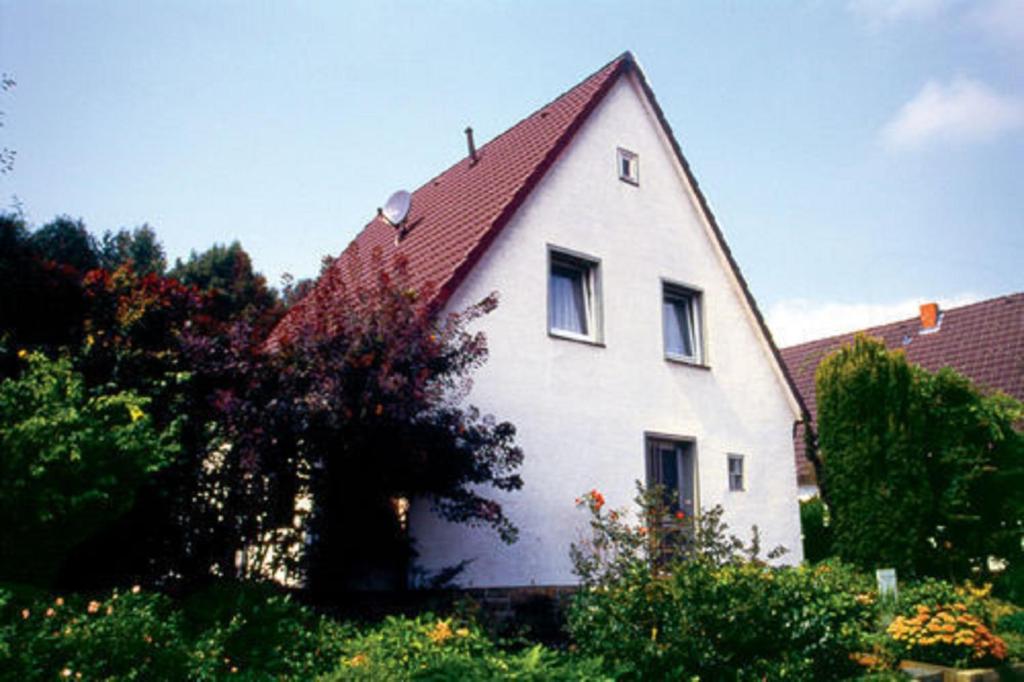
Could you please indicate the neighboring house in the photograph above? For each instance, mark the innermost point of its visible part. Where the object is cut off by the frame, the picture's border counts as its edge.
(626, 345)
(983, 341)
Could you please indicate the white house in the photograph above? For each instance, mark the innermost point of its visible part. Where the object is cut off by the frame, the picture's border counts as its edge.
(626, 345)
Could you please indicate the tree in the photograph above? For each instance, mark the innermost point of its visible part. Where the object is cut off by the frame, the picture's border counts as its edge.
(65, 241)
(925, 473)
(139, 247)
(227, 270)
(6, 154)
(40, 300)
(359, 410)
(71, 461)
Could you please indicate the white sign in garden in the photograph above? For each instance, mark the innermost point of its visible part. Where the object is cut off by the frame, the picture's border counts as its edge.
(886, 582)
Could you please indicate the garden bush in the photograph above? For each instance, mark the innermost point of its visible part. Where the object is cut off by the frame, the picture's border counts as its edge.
(713, 609)
(430, 648)
(230, 631)
(817, 534)
(237, 628)
(129, 635)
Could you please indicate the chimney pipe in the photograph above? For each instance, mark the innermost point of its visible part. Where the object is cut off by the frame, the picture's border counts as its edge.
(929, 315)
(469, 143)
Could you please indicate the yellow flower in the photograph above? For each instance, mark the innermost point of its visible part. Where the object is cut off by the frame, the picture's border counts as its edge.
(441, 632)
(135, 413)
(462, 632)
(22, 353)
(357, 661)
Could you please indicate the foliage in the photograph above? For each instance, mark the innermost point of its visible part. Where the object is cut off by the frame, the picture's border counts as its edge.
(127, 636)
(70, 462)
(245, 632)
(923, 472)
(256, 631)
(430, 648)
(371, 401)
(138, 248)
(40, 300)
(817, 533)
(240, 292)
(707, 606)
(1012, 622)
(66, 241)
(947, 635)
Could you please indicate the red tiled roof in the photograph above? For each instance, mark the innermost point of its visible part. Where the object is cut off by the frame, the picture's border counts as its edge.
(983, 341)
(454, 217)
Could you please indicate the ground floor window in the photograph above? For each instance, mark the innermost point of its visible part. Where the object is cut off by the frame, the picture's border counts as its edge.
(671, 464)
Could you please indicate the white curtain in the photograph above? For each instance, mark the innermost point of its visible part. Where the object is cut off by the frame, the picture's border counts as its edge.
(568, 300)
(679, 338)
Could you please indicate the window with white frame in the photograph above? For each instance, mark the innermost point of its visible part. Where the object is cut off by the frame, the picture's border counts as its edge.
(629, 166)
(671, 465)
(736, 482)
(681, 328)
(573, 296)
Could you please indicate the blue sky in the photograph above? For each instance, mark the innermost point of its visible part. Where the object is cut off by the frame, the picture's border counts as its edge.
(860, 156)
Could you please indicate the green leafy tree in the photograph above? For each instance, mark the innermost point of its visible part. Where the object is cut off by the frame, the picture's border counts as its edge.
(65, 241)
(227, 271)
(70, 462)
(139, 247)
(924, 472)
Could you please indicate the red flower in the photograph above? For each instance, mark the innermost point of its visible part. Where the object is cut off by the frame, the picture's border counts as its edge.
(680, 515)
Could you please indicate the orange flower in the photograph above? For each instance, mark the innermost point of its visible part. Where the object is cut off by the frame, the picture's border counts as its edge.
(50, 612)
(25, 613)
(136, 589)
(94, 606)
(59, 601)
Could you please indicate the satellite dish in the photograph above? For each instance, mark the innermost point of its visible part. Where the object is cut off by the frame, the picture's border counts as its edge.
(397, 207)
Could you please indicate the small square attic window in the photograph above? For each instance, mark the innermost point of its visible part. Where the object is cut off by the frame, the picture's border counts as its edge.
(629, 166)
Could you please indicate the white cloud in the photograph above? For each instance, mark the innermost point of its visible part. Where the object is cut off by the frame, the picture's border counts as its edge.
(963, 110)
(882, 12)
(1001, 20)
(797, 320)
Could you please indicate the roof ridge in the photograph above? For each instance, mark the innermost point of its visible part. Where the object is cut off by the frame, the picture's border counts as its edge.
(895, 323)
(625, 56)
(488, 195)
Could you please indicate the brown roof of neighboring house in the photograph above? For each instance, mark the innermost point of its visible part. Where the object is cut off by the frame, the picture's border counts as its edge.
(457, 215)
(983, 341)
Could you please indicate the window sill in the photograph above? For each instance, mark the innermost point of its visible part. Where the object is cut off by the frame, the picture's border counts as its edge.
(578, 338)
(689, 363)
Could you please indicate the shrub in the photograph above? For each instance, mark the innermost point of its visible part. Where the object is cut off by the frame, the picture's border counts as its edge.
(430, 648)
(256, 631)
(712, 610)
(923, 472)
(817, 534)
(1013, 622)
(128, 636)
(70, 462)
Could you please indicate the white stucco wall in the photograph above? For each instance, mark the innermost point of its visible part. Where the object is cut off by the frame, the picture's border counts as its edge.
(582, 410)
